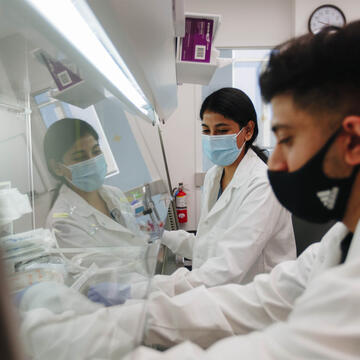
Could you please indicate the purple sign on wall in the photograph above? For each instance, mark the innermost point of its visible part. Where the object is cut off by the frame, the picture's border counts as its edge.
(62, 76)
(196, 45)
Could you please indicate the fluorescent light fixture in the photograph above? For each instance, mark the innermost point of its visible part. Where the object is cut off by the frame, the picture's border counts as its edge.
(68, 21)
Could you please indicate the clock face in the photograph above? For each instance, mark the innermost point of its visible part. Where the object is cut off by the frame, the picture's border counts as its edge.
(324, 16)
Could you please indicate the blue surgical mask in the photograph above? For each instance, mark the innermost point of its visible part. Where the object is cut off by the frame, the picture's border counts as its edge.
(222, 149)
(88, 175)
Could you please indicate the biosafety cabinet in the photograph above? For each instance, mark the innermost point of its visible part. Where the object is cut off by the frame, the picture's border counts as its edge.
(111, 64)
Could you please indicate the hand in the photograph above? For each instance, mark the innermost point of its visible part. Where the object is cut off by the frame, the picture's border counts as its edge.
(109, 294)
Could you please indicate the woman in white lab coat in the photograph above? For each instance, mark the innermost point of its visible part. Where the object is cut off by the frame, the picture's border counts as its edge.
(85, 213)
(243, 230)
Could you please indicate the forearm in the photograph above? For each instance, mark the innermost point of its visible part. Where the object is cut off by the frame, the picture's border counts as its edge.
(179, 242)
(322, 325)
(205, 315)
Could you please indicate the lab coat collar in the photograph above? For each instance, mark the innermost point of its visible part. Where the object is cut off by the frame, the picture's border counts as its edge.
(83, 208)
(243, 169)
(77, 202)
(240, 176)
(354, 250)
(104, 193)
(241, 172)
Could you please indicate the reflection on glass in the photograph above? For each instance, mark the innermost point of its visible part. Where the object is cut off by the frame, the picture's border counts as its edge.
(73, 251)
(52, 110)
(105, 255)
(86, 213)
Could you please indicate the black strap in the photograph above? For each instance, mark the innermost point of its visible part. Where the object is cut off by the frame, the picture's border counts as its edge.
(344, 246)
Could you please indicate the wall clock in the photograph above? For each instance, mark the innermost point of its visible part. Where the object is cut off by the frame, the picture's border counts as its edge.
(326, 15)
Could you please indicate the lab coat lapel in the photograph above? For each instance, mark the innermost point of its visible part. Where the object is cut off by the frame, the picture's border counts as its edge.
(109, 223)
(78, 204)
(222, 201)
(212, 189)
(237, 181)
(354, 250)
(86, 210)
(329, 254)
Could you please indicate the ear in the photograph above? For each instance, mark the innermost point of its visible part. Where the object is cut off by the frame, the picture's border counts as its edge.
(351, 125)
(56, 167)
(249, 130)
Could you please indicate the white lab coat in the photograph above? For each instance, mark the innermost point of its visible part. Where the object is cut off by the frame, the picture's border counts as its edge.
(303, 309)
(244, 233)
(117, 248)
(63, 325)
(77, 224)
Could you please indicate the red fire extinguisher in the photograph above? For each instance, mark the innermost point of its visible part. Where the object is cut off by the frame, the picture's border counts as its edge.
(180, 200)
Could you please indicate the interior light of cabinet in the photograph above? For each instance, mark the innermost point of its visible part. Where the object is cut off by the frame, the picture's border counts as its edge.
(67, 20)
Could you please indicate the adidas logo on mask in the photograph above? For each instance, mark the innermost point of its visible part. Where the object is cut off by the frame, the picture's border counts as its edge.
(328, 197)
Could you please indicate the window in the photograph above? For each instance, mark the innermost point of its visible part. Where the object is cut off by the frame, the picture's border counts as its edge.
(247, 65)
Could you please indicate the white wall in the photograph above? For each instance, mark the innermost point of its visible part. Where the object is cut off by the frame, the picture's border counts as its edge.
(245, 23)
(248, 22)
(181, 134)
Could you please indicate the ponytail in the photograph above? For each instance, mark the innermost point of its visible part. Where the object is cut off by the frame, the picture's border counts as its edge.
(261, 153)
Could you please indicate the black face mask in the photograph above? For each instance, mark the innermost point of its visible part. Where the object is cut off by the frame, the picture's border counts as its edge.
(309, 194)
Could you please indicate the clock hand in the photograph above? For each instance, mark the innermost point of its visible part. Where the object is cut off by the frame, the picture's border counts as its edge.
(324, 23)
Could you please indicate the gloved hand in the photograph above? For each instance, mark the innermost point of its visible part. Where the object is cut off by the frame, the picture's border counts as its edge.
(109, 293)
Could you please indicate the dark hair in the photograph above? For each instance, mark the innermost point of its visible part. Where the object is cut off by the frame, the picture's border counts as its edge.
(235, 105)
(321, 72)
(60, 137)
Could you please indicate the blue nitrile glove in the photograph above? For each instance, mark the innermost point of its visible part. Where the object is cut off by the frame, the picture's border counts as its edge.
(109, 294)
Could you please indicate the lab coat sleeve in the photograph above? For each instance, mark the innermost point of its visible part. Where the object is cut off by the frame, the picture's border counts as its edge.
(324, 324)
(59, 323)
(207, 315)
(261, 217)
(179, 242)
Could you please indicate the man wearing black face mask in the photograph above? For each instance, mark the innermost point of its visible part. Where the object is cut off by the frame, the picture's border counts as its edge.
(308, 308)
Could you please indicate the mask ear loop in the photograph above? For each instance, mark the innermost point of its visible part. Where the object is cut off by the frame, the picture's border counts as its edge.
(66, 178)
(242, 146)
(240, 131)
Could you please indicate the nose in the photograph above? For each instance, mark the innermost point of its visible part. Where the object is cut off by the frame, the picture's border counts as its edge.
(277, 161)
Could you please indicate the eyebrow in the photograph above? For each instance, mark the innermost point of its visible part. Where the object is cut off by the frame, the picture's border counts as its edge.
(217, 125)
(278, 127)
(78, 152)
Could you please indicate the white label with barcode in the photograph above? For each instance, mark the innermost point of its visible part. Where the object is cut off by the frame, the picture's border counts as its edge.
(64, 78)
(200, 51)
